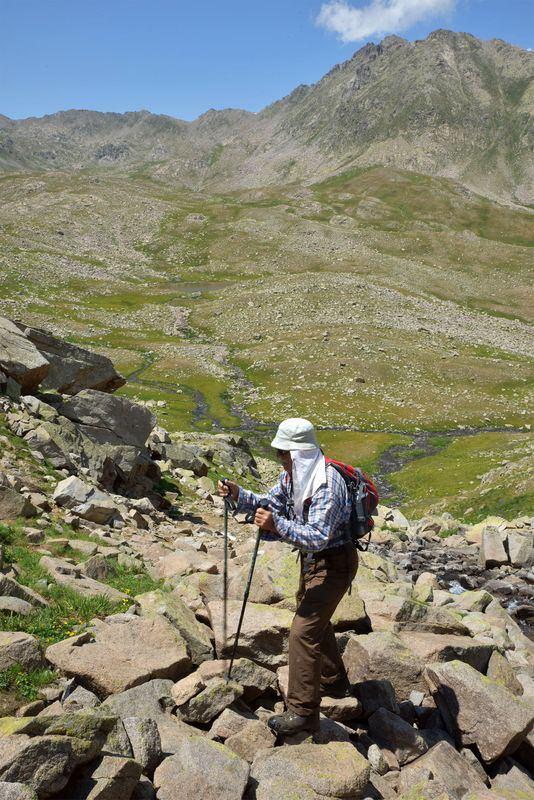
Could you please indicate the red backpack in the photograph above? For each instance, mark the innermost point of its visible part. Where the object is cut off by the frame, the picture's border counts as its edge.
(364, 500)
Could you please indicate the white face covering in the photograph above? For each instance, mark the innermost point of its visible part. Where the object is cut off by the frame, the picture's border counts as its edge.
(309, 472)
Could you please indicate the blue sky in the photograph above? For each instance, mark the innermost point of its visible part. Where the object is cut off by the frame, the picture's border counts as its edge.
(181, 58)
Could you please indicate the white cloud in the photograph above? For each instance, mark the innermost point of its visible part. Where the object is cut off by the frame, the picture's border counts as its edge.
(379, 17)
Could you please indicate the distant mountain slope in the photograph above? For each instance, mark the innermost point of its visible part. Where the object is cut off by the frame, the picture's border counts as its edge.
(448, 105)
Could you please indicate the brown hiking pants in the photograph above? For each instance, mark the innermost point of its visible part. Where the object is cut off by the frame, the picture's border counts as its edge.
(314, 658)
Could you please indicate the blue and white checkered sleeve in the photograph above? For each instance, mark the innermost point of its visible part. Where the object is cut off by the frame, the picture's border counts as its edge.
(326, 516)
(247, 501)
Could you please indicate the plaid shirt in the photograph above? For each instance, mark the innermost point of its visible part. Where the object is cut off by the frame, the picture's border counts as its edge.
(325, 522)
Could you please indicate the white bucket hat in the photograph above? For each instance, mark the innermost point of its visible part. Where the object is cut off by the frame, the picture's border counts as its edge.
(295, 434)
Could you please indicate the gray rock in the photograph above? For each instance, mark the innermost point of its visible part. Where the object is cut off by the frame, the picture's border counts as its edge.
(492, 551)
(384, 656)
(98, 567)
(16, 791)
(80, 698)
(521, 549)
(110, 778)
(183, 457)
(254, 679)
(500, 671)
(431, 647)
(13, 505)
(145, 740)
(170, 606)
(9, 587)
(447, 767)
(309, 770)
(376, 694)
(210, 701)
(72, 368)
(85, 500)
(377, 760)
(152, 700)
(144, 790)
(254, 737)
(120, 652)
(512, 781)
(15, 605)
(19, 358)
(203, 769)
(113, 467)
(264, 635)
(71, 575)
(395, 734)
(106, 418)
(478, 711)
(229, 723)
(45, 763)
(19, 648)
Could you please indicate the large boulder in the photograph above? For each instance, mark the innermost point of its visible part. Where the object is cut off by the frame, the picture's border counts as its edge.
(145, 739)
(21, 648)
(109, 778)
(45, 763)
(492, 550)
(251, 740)
(254, 679)
(395, 734)
(114, 467)
(9, 587)
(85, 501)
(196, 635)
(478, 711)
(108, 419)
(44, 751)
(430, 647)
(122, 651)
(71, 575)
(72, 368)
(310, 770)
(201, 768)
(213, 698)
(264, 634)
(19, 358)
(152, 700)
(13, 505)
(447, 767)
(521, 548)
(351, 615)
(384, 656)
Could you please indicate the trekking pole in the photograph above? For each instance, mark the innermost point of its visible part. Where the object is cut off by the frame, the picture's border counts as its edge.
(228, 504)
(262, 504)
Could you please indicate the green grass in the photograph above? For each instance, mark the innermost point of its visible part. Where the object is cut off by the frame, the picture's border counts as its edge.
(132, 582)
(67, 615)
(452, 478)
(359, 449)
(25, 683)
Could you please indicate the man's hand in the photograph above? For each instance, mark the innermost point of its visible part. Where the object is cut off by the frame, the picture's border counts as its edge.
(264, 520)
(228, 489)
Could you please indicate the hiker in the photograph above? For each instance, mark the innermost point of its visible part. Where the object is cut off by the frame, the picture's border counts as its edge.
(310, 509)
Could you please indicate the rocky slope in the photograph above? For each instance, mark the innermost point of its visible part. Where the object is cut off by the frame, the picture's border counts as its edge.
(113, 643)
(450, 105)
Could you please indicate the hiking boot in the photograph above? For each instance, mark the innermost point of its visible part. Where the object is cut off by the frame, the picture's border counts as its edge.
(338, 689)
(289, 723)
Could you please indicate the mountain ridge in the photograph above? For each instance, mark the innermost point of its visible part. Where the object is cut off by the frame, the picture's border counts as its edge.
(450, 105)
